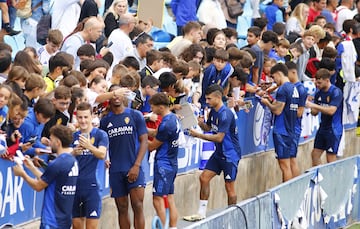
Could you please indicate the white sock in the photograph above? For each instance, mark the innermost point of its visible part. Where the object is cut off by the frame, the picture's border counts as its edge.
(202, 207)
(172, 227)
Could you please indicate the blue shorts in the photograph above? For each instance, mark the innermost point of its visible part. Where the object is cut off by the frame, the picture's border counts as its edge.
(327, 141)
(120, 186)
(218, 164)
(294, 148)
(87, 203)
(164, 180)
(285, 146)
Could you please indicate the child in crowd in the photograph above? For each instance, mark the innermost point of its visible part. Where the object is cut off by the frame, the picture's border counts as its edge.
(53, 43)
(217, 73)
(280, 51)
(295, 50)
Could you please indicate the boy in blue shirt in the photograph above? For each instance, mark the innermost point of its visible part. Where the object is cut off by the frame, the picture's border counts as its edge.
(329, 101)
(58, 180)
(165, 167)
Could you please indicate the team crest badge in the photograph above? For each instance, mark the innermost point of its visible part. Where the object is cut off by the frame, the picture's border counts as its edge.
(328, 99)
(127, 120)
(92, 140)
(58, 122)
(1, 119)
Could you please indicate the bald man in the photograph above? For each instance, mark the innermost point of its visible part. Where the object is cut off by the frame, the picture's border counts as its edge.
(92, 30)
(122, 44)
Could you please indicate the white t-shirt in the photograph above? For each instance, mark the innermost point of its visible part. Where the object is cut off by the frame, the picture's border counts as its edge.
(122, 45)
(344, 13)
(44, 56)
(92, 95)
(65, 15)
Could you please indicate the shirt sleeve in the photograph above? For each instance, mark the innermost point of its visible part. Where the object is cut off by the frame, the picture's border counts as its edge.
(224, 122)
(50, 173)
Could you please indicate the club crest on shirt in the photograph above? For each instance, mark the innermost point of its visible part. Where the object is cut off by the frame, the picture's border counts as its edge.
(1, 119)
(127, 120)
(328, 99)
(92, 140)
(58, 122)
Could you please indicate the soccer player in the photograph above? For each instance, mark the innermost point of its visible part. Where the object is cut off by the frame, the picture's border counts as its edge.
(58, 180)
(285, 108)
(221, 122)
(329, 101)
(90, 144)
(127, 146)
(165, 167)
(294, 79)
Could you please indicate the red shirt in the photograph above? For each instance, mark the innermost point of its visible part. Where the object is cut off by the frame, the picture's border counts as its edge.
(312, 15)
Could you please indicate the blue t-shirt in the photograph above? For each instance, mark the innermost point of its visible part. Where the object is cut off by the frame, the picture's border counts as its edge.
(259, 62)
(88, 163)
(61, 176)
(302, 101)
(333, 97)
(273, 15)
(223, 121)
(168, 134)
(124, 131)
(285, 122)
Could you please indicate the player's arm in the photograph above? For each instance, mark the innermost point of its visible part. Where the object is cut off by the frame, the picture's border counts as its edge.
(300, 112)
(154, 144)
(276, 107)
(315, 108)
(218, 137)
(37, 184)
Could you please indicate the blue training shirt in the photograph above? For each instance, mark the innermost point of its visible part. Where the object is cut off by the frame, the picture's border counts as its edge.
(61, 176)
(223, 121)
(333, 97)
(285, 122)
(123, 131)
(168, 134)
(302, 101)
(88, 163)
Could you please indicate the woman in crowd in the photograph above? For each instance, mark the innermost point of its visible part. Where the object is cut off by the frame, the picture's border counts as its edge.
(297, 21)
(117, 8)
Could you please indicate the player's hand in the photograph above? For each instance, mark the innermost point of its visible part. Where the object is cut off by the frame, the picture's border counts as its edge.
(84, 142)
(18, 170)
(29, 163)
(193, 133)
(107, 164)
(308, 104)
(77, 150)
(133, 173)
(35, 162)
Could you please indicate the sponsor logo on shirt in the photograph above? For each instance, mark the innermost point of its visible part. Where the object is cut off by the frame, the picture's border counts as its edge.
(118, 131)
(68, 190)
(109, 125)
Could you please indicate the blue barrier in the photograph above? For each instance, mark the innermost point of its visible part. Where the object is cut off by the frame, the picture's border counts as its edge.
(19, 203)
(324, 197)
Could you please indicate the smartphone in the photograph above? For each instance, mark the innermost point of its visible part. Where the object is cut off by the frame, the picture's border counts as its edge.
(85, 135)
(32, 140)
(43, 164)
(109, 44)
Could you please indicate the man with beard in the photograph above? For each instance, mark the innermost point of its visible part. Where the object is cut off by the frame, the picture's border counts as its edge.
(58, 180)
(127, 146)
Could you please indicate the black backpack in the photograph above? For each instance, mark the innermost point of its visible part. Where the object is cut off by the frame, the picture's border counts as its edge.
(42, 29)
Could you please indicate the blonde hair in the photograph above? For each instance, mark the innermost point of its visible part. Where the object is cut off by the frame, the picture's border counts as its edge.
(112, 8)
(318, 31)
(298, 13)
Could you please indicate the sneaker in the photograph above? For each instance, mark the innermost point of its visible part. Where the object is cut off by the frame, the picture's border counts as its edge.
(12, 32)
(193, 218)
